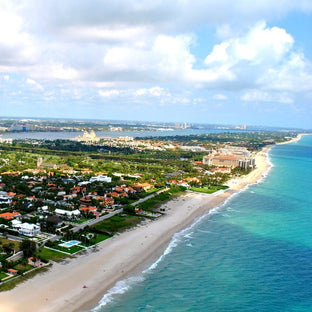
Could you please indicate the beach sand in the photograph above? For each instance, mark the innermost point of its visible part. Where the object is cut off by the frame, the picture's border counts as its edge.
(124, 255)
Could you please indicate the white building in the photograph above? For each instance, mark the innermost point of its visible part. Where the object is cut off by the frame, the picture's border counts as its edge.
(101, 178)
(26, 229)
(5, 199)
(67, 213)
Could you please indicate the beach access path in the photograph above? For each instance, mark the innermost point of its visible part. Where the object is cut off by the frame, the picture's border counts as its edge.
(124, 255)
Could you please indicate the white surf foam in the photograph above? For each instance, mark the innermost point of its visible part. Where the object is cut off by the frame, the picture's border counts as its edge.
(120, 288)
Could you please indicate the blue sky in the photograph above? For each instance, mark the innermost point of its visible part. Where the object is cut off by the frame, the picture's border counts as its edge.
(214, 61)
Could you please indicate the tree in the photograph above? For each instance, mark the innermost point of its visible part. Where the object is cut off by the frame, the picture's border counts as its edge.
(5, 265)
(28, 247)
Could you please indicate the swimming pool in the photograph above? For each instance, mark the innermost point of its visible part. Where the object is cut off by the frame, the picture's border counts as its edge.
(69, 244)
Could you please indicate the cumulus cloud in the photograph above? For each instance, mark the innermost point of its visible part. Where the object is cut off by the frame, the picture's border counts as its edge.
(145, 50)
(17, 47)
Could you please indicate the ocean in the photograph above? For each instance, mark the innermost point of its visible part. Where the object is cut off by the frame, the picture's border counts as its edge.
(253, 253)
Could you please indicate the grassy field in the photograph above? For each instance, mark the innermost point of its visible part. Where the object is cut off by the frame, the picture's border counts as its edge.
(155, 201)
(117, 223)
(49, 254)
(70, 250)
(2, 275)
(208, 190)
(5, 241)
(23, 268)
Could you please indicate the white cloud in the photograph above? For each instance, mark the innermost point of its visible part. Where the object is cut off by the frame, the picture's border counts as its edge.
(108, 93)
(17, 47)
(154, 91)
(35, 85)
(262, 96)
(247, 58)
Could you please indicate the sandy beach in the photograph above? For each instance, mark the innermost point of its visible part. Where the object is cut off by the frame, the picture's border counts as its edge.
(124, 255)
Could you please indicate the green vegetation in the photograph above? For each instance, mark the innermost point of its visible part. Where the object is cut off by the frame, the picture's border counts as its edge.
(3, 275)
(23, 267)
(70, 250)
(45, 253)
(210, 189)
(11, 284)
(28, 247)
(116, 224)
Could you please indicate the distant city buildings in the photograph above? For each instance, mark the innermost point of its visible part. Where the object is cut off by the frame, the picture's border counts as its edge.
(114, 129)
(7, 141)
(88, 137)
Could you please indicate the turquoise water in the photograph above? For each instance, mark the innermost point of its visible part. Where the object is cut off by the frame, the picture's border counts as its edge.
(252, 254)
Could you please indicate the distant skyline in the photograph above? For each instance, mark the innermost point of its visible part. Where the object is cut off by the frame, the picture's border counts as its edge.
(212, 62)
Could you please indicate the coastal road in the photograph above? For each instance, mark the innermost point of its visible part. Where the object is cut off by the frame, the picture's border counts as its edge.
(94, 221)
(150, 196)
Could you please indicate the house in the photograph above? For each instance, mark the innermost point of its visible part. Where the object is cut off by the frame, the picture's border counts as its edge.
(9, 215)
(5, 199)
(91, 209)
(29, 229)
(12, 271)
(67, 213)
(101, 178)
(140, 187)
(55, 220)
(86, 200)
(108, 201)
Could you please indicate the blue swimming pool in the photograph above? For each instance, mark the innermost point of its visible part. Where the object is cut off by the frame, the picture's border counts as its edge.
(69, 244)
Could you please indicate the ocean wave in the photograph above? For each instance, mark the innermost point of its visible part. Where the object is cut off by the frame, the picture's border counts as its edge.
(123, 286)
(120, 288)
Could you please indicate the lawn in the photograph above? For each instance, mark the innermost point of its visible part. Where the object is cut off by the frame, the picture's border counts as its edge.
(5, 241)
(23, 268)
(209, 190)
(2, 275)
(70, 250)
(49, 254)
(116, 224)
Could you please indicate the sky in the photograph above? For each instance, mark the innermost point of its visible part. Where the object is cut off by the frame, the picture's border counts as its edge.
(196, 61)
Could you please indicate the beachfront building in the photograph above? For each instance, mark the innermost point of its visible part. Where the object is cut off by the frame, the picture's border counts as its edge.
(229, 160)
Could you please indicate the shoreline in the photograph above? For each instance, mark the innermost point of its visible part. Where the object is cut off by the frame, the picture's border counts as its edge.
(122, 256)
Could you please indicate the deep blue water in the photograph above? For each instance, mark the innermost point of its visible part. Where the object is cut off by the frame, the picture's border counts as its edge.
(253, 254)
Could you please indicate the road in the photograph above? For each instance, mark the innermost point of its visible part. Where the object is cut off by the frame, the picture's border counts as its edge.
(149, 196)
(94, 221)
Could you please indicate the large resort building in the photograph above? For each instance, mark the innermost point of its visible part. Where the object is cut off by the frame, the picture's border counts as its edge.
(230, 157)
(88, 137)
